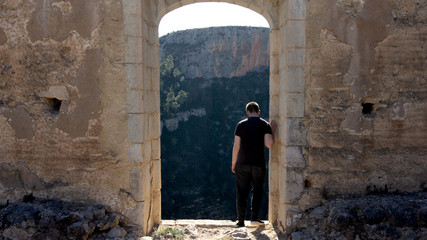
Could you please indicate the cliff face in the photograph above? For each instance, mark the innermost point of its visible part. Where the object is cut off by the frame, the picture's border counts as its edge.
(217, 52)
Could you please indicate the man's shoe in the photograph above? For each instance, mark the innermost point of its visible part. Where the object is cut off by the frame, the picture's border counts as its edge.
(240, 224)
(257, 222)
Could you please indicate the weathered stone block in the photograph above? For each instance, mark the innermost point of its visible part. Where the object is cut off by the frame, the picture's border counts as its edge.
(283, 13)
(292, 156)
(155, 80)
(134, 75)
(147, 181)
(135, 128)
(156, 209)
(274, 106)
(284, 40)
(295, 34)
(153, 56)
(133, 49)
(283, 105)
(136, 184)
(273, 205)
(281, 129)
(294, 103)
(291, 213)
(149, 105)
(147, 132)
(296, 9)
(135, 153)
(156, 173)
(153, 33)
(155, 126)
(293, 80)
(132, 26)
(283, 61)
(274, 42)
(296, 57)
(274, 84)
(156, 106)
(274, 66)
(155, 149)
(144, 30)
(134, 102)
(147, 150)
(131, 7)
(291, 185)
(147, 78)
(282, 182)
(137, 214)
(296, 132)
(273, 183)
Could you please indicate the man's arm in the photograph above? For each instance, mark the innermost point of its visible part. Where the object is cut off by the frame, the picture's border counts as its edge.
(236, 148)
(268, 138)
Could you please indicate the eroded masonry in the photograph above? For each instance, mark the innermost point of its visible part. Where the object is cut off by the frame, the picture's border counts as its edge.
(80, 106)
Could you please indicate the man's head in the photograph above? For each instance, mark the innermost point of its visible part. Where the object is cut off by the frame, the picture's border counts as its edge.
(252, 108)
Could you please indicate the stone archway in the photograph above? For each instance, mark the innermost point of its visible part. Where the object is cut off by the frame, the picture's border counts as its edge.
(287, 51)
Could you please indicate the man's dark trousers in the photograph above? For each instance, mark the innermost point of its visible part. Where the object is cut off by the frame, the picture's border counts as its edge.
(245, 175)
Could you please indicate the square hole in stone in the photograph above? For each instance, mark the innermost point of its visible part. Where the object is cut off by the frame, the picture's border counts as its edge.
(54, 105)
(367, 108)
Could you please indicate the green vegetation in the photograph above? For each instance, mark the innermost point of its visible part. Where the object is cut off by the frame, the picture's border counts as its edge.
(169, 233)
(171, 94)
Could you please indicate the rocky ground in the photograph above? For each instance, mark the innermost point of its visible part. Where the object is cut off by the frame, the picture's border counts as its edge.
(391, 216)
(53, 219)
(215, 230)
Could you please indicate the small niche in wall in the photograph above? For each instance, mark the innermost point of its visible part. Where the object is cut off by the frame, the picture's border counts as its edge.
(368, 106)
(54, 105)
(308, 183)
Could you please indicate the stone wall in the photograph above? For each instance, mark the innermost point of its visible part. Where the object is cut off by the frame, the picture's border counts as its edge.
(80, 114)
(359, 125)
(365, 98)
(62, 103)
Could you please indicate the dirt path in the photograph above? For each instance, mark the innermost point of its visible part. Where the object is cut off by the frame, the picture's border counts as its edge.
(221, 230)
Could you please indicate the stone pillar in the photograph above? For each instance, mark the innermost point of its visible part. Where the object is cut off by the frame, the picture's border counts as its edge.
(292, 132)
(134, 106)
(143, 109)
(151, 99)
(274, 114)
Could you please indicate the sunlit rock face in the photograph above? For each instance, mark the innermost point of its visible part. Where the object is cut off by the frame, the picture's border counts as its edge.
(218, 52)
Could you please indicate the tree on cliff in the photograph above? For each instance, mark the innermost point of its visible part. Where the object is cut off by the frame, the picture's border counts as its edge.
(171, 95)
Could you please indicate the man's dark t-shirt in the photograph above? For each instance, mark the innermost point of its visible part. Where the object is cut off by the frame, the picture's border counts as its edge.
(251, 132)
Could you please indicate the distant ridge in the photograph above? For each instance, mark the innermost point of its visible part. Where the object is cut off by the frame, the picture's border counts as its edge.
(217, 52)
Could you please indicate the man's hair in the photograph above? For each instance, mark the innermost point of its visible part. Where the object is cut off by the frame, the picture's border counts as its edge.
(252, 107)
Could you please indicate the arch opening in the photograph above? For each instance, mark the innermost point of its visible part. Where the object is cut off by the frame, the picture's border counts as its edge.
(197, 134)
(286, 103)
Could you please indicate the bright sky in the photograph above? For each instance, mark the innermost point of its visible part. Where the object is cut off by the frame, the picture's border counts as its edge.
(209, 14)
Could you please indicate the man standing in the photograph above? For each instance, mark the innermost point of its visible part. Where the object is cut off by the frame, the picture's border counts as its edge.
(248, 163)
